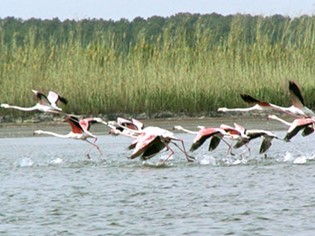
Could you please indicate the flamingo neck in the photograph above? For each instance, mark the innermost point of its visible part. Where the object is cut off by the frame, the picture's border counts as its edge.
(23, 108)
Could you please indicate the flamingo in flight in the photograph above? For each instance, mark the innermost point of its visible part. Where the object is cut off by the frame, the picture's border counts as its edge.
(305, 124)
(204, 133)
(149, 141)
(125, 127)
(79, 130)
(44, 103)
(244, 136)
(297, 109)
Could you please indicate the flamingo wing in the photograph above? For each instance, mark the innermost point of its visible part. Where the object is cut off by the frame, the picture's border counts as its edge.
(265, 144)
(75, 124)
(155, 147)
(87, 122)
(127, 123)
(54, 98)
(297, 125)
(308, 130)
(201, 137)
(143, 143)
(296, 95)
(41, 98)
(214, 143)
(251, 100)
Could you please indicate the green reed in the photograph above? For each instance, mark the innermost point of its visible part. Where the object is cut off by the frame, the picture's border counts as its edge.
(169, 74)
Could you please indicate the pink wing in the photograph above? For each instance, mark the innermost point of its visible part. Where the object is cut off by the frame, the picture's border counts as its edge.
(142, 144)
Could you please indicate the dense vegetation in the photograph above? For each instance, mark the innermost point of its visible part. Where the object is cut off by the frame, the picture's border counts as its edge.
(184, 63)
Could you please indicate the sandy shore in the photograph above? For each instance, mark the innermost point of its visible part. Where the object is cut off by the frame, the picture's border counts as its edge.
(23, 129)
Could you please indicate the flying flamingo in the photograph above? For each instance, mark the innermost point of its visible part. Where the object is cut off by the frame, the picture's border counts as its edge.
(267, 137)
(244, 136)
(151, 140)
(44, 103)
(79, 130)
(125, 127)
(204, 133)
(297, 109)
(305, 124)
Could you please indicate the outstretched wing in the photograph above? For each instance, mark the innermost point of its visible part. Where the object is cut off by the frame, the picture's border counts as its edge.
(41, 98)
(54, 98)
(249, 99)
(214, 143)
(265, 144)
(295, 95)
(75, 124)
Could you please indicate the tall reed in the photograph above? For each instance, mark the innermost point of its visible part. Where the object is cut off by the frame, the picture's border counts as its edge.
(167, 73)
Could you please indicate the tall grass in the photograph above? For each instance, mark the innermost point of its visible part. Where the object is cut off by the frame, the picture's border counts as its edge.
(167, 75)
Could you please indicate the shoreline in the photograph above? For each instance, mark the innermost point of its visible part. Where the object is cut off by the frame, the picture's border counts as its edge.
(24, 127)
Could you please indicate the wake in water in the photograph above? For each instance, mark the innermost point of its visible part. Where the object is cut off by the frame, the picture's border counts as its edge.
(220, 160)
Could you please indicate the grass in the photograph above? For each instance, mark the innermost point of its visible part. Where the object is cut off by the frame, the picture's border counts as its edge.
(169, 75)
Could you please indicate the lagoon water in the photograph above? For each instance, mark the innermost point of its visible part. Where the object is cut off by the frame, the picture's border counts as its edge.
(48, 187)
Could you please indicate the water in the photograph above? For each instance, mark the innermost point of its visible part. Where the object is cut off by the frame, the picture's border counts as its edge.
(48, 187)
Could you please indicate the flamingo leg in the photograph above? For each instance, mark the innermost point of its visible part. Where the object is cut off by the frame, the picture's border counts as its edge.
(230, 147)
(171, 154)
(93, 145)
(189, 158)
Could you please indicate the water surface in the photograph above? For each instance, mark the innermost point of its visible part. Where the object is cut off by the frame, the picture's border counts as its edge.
(48, 187)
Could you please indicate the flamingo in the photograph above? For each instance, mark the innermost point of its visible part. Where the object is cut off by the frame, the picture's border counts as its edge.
(297, 109)
(79, 130)
(216, 135)
(244, 136)
(125, 127)
(151, 140)
(305, 124)
(44, 103)
(267, 137)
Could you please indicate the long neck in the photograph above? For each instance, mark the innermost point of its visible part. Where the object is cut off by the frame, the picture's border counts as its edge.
(23, 108)
(55, 134)
(281, 120)
(224, 109)
(186, 130)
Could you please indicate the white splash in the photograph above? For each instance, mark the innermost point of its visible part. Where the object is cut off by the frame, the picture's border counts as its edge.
(288, 157)
(208, 160)
(300, 160)
(26, 162)
(56, 161)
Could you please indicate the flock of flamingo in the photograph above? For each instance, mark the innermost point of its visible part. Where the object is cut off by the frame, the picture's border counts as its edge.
(149, 141)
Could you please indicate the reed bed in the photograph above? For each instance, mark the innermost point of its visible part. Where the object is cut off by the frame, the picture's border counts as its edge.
(169, 73)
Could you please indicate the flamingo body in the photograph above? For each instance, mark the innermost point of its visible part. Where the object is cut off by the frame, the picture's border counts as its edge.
(44, 104)
(79, 130)
(304, 124)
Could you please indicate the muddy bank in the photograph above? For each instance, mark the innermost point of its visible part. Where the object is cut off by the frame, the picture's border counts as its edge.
(21, 127)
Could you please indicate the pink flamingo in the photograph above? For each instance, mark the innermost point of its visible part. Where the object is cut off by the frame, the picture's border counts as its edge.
(125, 127)
(244, 136)
(44, 103)
(204, 133)
(79, 130)
(297, 109)
(305, 124)
(151, 140)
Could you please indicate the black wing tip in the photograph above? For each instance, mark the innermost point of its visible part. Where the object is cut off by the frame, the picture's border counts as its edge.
(294, 88)
(248, 98)
(63, 100)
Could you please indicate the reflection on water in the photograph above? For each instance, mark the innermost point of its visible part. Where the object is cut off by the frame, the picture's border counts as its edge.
(48, 187)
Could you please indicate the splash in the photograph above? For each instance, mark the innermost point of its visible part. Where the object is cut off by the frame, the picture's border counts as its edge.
(26, 162)
(56, 161)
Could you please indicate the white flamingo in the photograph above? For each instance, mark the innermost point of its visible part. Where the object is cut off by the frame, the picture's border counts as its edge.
(79, 130)
(298, 109)
(44, 103)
